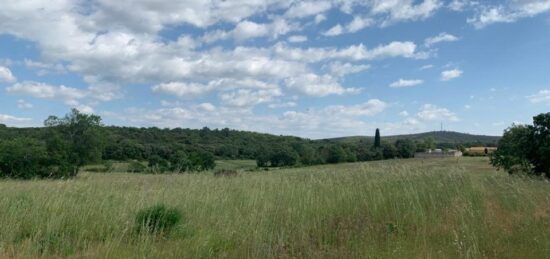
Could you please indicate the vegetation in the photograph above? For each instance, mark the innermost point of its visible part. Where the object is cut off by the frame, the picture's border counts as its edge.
(439, 208)
(157, 219)
(525, 148)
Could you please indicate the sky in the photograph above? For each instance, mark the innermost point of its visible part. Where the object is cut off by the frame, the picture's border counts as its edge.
(313, 69)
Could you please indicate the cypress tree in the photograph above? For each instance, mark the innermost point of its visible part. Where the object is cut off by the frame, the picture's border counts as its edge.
(377, 139)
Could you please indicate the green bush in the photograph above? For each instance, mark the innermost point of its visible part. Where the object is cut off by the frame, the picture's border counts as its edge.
(157, 219)
(136, 167)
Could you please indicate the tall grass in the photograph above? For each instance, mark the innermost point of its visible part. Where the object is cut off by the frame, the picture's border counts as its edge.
(402, 208)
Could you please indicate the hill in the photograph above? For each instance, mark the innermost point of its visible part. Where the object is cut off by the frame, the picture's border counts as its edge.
(438, 137)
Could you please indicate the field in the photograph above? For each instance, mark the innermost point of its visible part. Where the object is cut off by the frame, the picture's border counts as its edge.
(454, 208)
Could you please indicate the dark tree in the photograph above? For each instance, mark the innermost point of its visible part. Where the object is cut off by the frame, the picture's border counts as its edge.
(525, 148)
(377, 143)
(405, 148)
(82, 133)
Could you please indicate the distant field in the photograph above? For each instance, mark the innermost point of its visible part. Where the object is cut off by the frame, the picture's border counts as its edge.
(454, 208)
(236, 164)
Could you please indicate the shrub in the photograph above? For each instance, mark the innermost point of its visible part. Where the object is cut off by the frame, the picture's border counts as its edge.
(157, 219)
(225, 172)
(136, 167)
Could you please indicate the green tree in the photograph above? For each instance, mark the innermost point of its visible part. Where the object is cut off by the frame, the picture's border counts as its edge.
(405, 148)
(29, 158)
(377, 143)
(389, 151)
(541, 143)
(514, 150)
(336, 154)
(83, 135)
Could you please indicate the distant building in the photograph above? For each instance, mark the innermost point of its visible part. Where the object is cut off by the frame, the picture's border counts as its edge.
(438, 153)
(481, 150)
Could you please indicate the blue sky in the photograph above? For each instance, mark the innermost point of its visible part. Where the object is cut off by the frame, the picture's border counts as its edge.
(308, 68)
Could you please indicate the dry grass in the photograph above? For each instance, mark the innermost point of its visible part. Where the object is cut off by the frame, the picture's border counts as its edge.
(452, 208)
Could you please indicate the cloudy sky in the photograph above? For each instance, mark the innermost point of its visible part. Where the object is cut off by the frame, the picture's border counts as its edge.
(307, 68)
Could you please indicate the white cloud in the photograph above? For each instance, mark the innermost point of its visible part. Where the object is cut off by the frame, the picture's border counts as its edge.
(426, 67)
(320, 18)
(14, 121)
(369, 108)
(403, 10)
(442, 37)
(45, 91)
(297, 38)
(247, 97)
(450, 74)
(247, 29)
(358, 23)
(6, 75)
(282, 105)
(509, 12)
(542, 96)
(22, 104)
(406, 83)
(430, 112)
(342, 69)
(334, 31)
(404, 113)
(208, 107)
(315, 85)
(307, 8)
(182, 89)
(45, 68)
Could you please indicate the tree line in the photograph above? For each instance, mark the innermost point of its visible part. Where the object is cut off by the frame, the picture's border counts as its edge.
(67, 143)
(525, 149)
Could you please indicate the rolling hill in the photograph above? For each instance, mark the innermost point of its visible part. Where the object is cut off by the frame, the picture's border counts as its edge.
(439, 137)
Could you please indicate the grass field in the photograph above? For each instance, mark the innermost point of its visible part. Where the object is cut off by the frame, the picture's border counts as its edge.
(455, 208)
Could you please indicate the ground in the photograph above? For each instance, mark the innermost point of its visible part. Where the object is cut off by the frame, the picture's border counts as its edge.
(435, 208)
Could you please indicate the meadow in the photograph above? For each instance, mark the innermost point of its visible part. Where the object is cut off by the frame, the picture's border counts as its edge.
(436, 208)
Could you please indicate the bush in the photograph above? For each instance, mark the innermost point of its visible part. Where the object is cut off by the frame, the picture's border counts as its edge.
(157, 219)
(136, 167)
(27, 158)
(525, 148)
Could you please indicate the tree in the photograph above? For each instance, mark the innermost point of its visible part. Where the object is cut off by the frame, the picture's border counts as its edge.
(82, 133)
(514, 150)
(377, 139)
(389, 151)
(541, 143)
(336, 154)
(406, 148)
(525, 148)
(29, 158)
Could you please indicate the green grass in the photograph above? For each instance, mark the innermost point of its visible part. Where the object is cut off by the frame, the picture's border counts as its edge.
(244, 165)
(455, 208)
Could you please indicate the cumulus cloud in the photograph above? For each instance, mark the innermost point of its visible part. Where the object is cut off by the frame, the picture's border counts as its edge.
(340, 69)
(297, 38)
(442, 37)
(247, 97)
(22, 104)
(45, 91)
(451, 74)
(509, 12)
(14, 121)
(334, 31)
(316, 85)
(406, 83)
(6, 75)
(358, 23)
(430, 112)
(307, 8)
(542, 96)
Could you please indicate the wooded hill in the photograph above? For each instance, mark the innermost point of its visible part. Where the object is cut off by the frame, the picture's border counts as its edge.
(441, 138)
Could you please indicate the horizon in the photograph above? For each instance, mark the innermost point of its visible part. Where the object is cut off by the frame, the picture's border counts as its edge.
(316, 70)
